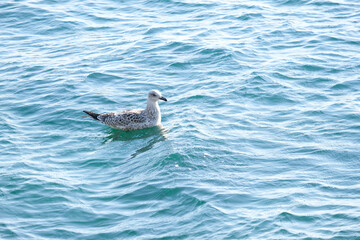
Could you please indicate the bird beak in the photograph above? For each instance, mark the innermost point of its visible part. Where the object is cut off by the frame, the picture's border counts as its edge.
(164, 99)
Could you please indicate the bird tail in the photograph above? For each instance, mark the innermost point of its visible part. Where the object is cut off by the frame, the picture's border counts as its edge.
(92, 114)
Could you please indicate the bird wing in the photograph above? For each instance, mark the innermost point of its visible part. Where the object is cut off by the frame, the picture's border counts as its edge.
(123, 118)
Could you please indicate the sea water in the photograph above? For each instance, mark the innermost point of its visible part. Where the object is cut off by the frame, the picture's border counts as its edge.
(260, 135)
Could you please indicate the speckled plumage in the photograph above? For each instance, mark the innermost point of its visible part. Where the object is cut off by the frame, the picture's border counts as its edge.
(135, 118)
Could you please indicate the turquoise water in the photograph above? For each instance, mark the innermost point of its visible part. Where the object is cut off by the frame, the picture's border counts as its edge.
(260, 136)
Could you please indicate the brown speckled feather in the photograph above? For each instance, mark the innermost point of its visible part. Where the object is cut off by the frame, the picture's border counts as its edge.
(134, 118)
(123, 118)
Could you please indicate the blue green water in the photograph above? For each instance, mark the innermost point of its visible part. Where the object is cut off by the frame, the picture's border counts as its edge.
(260, 136)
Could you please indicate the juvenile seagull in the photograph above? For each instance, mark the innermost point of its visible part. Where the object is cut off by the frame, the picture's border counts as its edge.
(134, 118)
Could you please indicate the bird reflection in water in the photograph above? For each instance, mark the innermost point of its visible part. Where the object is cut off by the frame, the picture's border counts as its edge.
(154, 135)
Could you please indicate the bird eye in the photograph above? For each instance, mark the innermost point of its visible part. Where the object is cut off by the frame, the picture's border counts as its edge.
(154, 95)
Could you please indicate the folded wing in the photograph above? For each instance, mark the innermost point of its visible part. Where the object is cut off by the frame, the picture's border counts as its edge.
(122, 119)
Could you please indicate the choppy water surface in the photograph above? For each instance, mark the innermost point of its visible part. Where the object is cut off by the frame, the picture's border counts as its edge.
(260, 136)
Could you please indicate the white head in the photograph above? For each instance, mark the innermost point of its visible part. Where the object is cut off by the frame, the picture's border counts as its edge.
(155, 95)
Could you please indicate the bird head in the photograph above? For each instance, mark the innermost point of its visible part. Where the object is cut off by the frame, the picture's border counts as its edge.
(155, 95)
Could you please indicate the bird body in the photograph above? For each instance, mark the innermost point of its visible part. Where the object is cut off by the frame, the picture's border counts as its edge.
(134, 118)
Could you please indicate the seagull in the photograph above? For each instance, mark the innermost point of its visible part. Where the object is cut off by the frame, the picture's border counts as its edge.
(134, 119)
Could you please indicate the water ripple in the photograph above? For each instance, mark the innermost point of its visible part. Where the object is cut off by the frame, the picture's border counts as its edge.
(259, 137)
